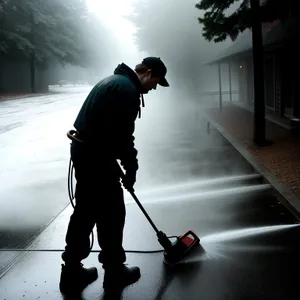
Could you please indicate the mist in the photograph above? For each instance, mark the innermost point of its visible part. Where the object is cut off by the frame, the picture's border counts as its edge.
(171, 30)
(95, 36)
(189, 175)
(137, 29)
(106, 34)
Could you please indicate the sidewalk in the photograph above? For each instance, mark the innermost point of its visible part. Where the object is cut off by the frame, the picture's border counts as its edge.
(282, 158)
(245, 232)
(223, 222)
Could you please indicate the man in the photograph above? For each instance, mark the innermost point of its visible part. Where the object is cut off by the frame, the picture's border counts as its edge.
(105, 125)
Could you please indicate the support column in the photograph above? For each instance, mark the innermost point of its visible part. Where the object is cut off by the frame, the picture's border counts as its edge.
(259, 130)
(230, 87)
(220, 87)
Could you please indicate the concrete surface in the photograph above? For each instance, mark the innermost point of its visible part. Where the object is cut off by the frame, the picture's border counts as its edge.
(291, 201)
(173, 149)
(188, 179)
(251, 252)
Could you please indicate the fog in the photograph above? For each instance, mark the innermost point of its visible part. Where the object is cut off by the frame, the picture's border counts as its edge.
(171, 31)
(95, 36)
(170, 136)
(130, 30)
(65, 51)
(190, 176)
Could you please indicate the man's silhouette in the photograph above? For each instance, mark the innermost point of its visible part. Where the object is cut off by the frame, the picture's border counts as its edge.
(105, 124)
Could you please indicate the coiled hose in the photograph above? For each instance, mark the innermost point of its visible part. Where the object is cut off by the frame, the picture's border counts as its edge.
(72, 135)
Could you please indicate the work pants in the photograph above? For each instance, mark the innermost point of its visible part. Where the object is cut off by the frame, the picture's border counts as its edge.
(99, 201)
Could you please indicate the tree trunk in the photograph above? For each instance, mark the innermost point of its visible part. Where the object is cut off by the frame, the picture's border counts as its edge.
(259, 127)
(32, 56)
(32, 72)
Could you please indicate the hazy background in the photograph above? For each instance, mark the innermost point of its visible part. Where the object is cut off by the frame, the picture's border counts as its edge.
(80, 41)
(169, 30)
(65, 48)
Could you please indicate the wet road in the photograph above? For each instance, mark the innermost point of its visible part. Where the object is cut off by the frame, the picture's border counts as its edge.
(173, 147)
(177, 157)
(34, 153)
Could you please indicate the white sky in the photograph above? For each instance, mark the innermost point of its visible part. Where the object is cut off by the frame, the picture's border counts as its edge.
(111, 11)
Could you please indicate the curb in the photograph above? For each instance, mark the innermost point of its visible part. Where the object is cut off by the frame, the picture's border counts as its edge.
(288, 198)
(8, 98)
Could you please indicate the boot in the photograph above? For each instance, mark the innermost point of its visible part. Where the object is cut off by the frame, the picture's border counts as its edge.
(75, 278)
(118, 277)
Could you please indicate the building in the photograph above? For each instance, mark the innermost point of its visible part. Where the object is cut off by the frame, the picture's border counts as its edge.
(282, 76)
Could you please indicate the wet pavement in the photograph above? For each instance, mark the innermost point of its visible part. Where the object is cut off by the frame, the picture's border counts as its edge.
(33, 173)
(188, 179)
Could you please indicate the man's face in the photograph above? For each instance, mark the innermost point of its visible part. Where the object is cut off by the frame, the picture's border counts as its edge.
(148, 82)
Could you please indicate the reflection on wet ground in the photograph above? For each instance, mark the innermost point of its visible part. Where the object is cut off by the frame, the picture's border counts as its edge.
(187, 180)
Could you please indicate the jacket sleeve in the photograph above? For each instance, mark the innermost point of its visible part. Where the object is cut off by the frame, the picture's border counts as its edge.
(127, 110)
(128, 152)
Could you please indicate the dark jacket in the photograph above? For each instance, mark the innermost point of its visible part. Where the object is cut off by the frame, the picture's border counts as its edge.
(106, 119)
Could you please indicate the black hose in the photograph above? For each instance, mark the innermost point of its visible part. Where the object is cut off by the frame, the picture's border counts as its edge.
(72, 197)
(70, 134)
(61, 250)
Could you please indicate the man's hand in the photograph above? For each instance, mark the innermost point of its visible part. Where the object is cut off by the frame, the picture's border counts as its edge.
(129, 180)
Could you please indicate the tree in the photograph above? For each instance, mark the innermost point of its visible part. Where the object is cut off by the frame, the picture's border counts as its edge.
(217, 26)
(50, 32)
(50, 28)
(41, 31)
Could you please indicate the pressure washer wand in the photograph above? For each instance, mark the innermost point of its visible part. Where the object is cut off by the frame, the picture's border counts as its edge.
(162, 237)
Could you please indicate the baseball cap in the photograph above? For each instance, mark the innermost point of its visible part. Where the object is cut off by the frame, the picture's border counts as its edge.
(158, 69)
